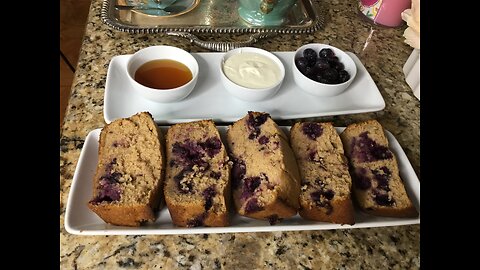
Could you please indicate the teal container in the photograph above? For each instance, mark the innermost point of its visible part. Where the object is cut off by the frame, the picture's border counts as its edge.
(265, 12)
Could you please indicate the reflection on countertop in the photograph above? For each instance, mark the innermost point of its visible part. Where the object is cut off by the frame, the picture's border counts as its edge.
(381, 50)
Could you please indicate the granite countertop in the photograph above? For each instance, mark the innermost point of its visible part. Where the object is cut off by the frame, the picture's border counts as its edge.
(383, 53)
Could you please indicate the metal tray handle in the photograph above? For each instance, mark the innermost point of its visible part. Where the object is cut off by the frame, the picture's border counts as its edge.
(221, 46)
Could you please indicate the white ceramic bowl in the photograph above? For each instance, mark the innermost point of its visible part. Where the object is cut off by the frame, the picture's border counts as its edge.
(322, 89)
(251, 94)
(156, 53)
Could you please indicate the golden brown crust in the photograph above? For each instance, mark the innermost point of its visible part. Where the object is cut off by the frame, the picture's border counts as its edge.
(124, 215)
(342, 212)
(278, 208)
(410, 212)
(182, 214)
(171, 130)
(370, 122)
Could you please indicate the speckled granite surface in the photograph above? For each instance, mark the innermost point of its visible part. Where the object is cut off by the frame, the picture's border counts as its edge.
(383, 53)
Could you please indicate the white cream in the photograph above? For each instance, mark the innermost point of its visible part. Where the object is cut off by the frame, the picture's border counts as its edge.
(252, 70)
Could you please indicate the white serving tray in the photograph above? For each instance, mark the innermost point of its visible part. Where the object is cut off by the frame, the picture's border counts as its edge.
(210, 100)
(79, 219)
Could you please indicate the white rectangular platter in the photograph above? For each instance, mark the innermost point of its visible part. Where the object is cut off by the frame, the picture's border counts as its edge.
(210, 100)
(79, 219)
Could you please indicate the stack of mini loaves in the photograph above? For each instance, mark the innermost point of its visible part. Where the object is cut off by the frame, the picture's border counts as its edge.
(266, 174)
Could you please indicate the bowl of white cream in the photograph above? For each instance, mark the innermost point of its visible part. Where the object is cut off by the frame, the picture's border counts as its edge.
(251, 74)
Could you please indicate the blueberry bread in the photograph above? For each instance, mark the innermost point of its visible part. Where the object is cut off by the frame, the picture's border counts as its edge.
(129, 175)
(377, 185)
(197, 180)
(265, 177)
(326, 183)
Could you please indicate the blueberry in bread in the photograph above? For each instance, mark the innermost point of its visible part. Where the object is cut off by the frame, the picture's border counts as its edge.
(326, 183)
(265, 177)
(197, 180)
(377, 185)
(129, 175)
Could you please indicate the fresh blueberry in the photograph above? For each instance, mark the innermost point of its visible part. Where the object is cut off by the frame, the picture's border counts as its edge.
(343, 76)
(310, 55)
(301, 63)
(339, 66)
(310, 72)
(326, 53)
(321, 64)
(333, 60)
(330, 75)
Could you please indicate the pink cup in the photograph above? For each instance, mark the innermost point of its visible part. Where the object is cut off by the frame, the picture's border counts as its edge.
(384, 12)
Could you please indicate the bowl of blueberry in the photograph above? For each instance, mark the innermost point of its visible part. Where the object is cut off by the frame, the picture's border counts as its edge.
(323, 70)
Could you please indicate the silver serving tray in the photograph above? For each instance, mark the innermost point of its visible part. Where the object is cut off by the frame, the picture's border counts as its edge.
(213, 16)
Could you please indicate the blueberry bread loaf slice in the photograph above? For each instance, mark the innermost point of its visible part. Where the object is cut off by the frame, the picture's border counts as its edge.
(197, 184)
(377, 185)
(129, 176)
(326, 183)
(265, 177)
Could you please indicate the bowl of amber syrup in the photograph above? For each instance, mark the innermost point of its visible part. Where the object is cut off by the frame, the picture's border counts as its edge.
(162, 73)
